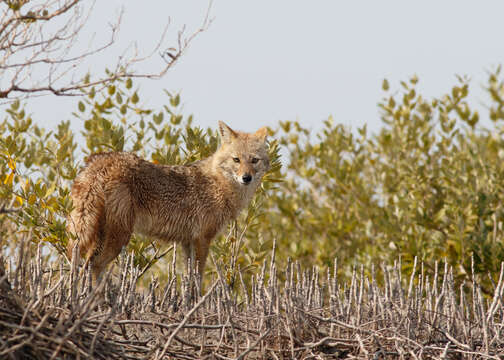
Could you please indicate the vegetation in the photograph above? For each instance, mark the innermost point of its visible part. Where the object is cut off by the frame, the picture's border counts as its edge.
(42, 51)
(427, 185)
(49, 313)
(425, 189)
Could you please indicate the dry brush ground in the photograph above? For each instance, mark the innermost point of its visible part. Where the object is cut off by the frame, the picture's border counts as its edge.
(52, 313)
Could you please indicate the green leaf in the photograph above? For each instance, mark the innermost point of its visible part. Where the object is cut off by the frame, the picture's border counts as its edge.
(134, 98)
(385, 85)
(175, 100)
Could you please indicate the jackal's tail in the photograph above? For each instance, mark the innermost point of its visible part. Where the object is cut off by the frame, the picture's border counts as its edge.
(83, 223)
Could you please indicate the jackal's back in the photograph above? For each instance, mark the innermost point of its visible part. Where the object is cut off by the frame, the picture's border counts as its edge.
(118, 193)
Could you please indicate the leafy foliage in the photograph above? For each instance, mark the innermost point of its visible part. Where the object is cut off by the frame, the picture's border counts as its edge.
(427, 185)
(39, 166)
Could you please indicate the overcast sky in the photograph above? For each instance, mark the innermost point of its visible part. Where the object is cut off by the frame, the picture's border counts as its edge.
(264, 61)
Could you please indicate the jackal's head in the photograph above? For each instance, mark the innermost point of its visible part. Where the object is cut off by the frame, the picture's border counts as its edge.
(242, 157)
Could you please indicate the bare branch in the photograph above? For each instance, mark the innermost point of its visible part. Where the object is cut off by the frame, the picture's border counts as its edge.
(44, 315)
(38, 55)
(5, 210)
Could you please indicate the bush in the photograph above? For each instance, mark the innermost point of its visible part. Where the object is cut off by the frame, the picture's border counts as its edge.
(39, 166)
(427, 185)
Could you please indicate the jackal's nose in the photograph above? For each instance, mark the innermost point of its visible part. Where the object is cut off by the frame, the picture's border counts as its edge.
(246, 178)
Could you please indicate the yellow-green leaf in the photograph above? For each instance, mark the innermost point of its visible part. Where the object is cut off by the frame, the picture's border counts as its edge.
(12, 164)
(9, 179)
(19, 200)
(31, 199)
(385, 85)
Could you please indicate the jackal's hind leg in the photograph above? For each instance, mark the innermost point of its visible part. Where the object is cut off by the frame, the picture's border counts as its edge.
(111, 245)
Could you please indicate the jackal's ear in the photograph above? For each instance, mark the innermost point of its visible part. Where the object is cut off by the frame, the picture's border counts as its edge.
(227, 134)
(262, 133)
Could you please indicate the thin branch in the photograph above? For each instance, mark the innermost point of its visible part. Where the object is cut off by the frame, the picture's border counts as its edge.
(35, 60)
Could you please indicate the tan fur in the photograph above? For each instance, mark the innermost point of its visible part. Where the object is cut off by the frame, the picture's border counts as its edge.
(118, 193)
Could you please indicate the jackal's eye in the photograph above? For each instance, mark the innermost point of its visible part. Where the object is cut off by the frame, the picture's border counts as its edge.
(236, 160)
(254, 160)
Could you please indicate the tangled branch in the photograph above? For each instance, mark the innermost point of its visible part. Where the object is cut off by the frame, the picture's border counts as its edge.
(38, 53)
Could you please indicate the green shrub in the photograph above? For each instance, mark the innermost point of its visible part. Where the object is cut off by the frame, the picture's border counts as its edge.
(427, 185)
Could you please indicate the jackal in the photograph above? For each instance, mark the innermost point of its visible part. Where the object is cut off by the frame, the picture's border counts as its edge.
(118, 193)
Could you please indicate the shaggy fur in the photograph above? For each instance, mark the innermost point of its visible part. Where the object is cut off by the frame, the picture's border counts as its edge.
(119, 193)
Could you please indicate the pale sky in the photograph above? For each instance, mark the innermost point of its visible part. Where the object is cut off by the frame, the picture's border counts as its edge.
(265, 61)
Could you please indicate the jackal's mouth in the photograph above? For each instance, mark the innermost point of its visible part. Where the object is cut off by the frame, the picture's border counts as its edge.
(241, 182)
